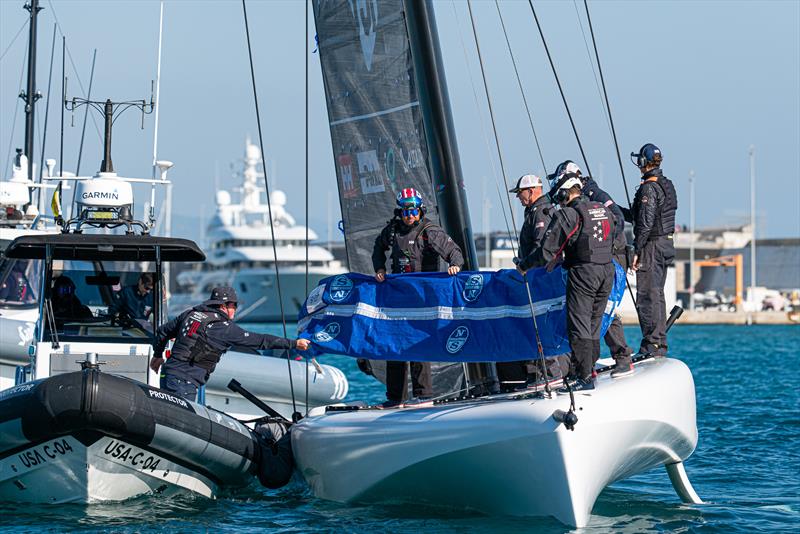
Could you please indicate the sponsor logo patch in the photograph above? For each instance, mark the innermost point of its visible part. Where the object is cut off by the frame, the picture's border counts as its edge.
(473, 287)
(457, 339)
(341, 287)
(330, 332)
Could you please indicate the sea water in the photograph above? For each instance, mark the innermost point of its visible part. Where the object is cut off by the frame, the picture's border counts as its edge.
(746, 466)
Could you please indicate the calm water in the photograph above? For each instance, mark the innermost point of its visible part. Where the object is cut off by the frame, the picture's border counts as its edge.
(746, 466)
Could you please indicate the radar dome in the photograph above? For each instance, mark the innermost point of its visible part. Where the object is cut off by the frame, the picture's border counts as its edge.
(277, 198)
(223, 198)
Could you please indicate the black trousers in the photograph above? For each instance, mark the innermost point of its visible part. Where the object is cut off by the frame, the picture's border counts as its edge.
(396, 376)
(511, 374)
(588, 288)
(615, 335)
(656, 256)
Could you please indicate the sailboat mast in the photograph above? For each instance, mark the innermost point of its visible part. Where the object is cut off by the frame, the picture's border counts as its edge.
(440, 133)
(30, 95)
(445, 164)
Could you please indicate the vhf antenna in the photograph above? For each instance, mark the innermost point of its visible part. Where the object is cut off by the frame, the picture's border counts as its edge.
(110, 112)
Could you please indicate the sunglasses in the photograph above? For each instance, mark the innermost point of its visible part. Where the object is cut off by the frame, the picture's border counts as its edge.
(410, 212)
(232, 305)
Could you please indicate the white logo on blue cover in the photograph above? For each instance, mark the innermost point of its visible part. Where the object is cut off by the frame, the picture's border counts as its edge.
(457, 339)
(341, 287)
(330, 332)
(473, 287)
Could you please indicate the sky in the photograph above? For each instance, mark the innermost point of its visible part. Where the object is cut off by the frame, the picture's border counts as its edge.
(704, 80)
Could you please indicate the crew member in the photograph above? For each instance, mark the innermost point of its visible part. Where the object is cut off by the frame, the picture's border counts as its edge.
(653, 218)
(615, 335)
(513, 375)
(66, 304)
(136, 301)
(583, 230)
(202, 335)
(415, 244)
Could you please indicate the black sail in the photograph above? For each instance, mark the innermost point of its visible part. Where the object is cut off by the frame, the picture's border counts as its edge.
(374, 114)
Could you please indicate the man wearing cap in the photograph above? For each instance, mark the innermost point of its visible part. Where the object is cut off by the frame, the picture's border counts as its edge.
(202, 335)
(537, 219)
(416, 245)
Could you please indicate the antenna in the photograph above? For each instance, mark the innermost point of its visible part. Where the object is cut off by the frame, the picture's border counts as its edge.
(152, 215)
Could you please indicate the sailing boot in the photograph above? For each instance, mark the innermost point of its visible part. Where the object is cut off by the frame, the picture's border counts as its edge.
(623, 366)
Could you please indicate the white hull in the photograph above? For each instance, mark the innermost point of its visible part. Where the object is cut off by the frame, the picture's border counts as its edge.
(258, 292)
(505, 456)
(63, 470)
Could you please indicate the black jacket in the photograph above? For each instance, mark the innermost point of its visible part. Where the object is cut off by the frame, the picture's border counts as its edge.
(224, 336)
(562, 234)
(651, 214)
(537, 219)
(417, 247)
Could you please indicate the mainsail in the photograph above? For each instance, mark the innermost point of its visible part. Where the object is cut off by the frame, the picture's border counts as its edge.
(374, 114)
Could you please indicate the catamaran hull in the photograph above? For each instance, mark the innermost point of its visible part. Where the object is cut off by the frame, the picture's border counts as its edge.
(89, 436)
(502, 455)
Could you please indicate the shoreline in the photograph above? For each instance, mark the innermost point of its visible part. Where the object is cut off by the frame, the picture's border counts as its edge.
(720, 317)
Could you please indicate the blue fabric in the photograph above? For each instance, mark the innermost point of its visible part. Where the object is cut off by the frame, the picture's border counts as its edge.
(470, 317)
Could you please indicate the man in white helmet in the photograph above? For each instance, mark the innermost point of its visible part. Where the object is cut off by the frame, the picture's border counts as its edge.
(581, 230)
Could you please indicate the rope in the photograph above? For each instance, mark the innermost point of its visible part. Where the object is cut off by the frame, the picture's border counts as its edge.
(483, 125)
(307, 189)
(14, 39)
(269, 204)
(591, 63)
(519, 83)
(47, 108)
(508, 197)
(560, 89)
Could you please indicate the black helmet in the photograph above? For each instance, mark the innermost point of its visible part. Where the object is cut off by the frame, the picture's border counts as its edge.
(649, 154)
(222, 295)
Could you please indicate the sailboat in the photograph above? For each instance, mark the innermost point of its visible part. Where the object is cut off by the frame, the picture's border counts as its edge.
(531, 453)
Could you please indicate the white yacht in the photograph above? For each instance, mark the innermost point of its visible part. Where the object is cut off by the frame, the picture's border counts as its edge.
(240, 252)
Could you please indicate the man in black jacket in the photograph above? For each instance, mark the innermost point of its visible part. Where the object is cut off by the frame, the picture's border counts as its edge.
(514, 375)
(415, 245)
(615, 335)
(653, 218)
(202, 335)
(583, 231)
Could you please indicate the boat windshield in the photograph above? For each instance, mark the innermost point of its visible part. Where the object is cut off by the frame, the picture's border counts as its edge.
(101, 302)
(19, 281)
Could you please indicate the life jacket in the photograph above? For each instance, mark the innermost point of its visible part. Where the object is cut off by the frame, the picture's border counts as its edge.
(596, 238)
(410, 251)
(664, 223)
(191, 345)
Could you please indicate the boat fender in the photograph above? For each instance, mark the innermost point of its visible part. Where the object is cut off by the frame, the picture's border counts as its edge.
(277, 461)
(568, 418)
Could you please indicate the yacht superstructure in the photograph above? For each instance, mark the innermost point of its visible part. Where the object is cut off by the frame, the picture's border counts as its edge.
(241, 254)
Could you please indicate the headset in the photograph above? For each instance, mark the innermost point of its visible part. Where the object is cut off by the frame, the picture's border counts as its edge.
(649, 154)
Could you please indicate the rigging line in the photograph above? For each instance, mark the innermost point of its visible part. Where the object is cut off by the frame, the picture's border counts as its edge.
(519, 83)
(494, 126)
(74, 68)
(560, 89)
(14, 39)
(508, 197)
(85, 116)
(14, 120)
(269, 204)
(307, 188)
(616, 144)
(608, 106)
(47, 109)
(591, 62)
(483, 123)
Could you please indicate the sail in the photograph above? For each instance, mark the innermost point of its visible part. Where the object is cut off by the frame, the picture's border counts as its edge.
(471, 317)
(374, 114)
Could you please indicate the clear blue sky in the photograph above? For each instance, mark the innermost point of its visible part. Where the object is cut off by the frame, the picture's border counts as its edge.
(703, 80)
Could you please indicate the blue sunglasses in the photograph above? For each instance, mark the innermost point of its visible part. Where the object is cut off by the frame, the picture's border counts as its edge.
(410, 212)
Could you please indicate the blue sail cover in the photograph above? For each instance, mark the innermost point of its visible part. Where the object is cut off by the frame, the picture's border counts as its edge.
(470, 317)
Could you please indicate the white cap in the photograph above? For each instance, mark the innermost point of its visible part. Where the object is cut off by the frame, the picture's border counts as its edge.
(525, 182)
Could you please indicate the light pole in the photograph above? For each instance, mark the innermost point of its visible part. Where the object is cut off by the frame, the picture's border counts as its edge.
(753, 227)
(691, 241)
